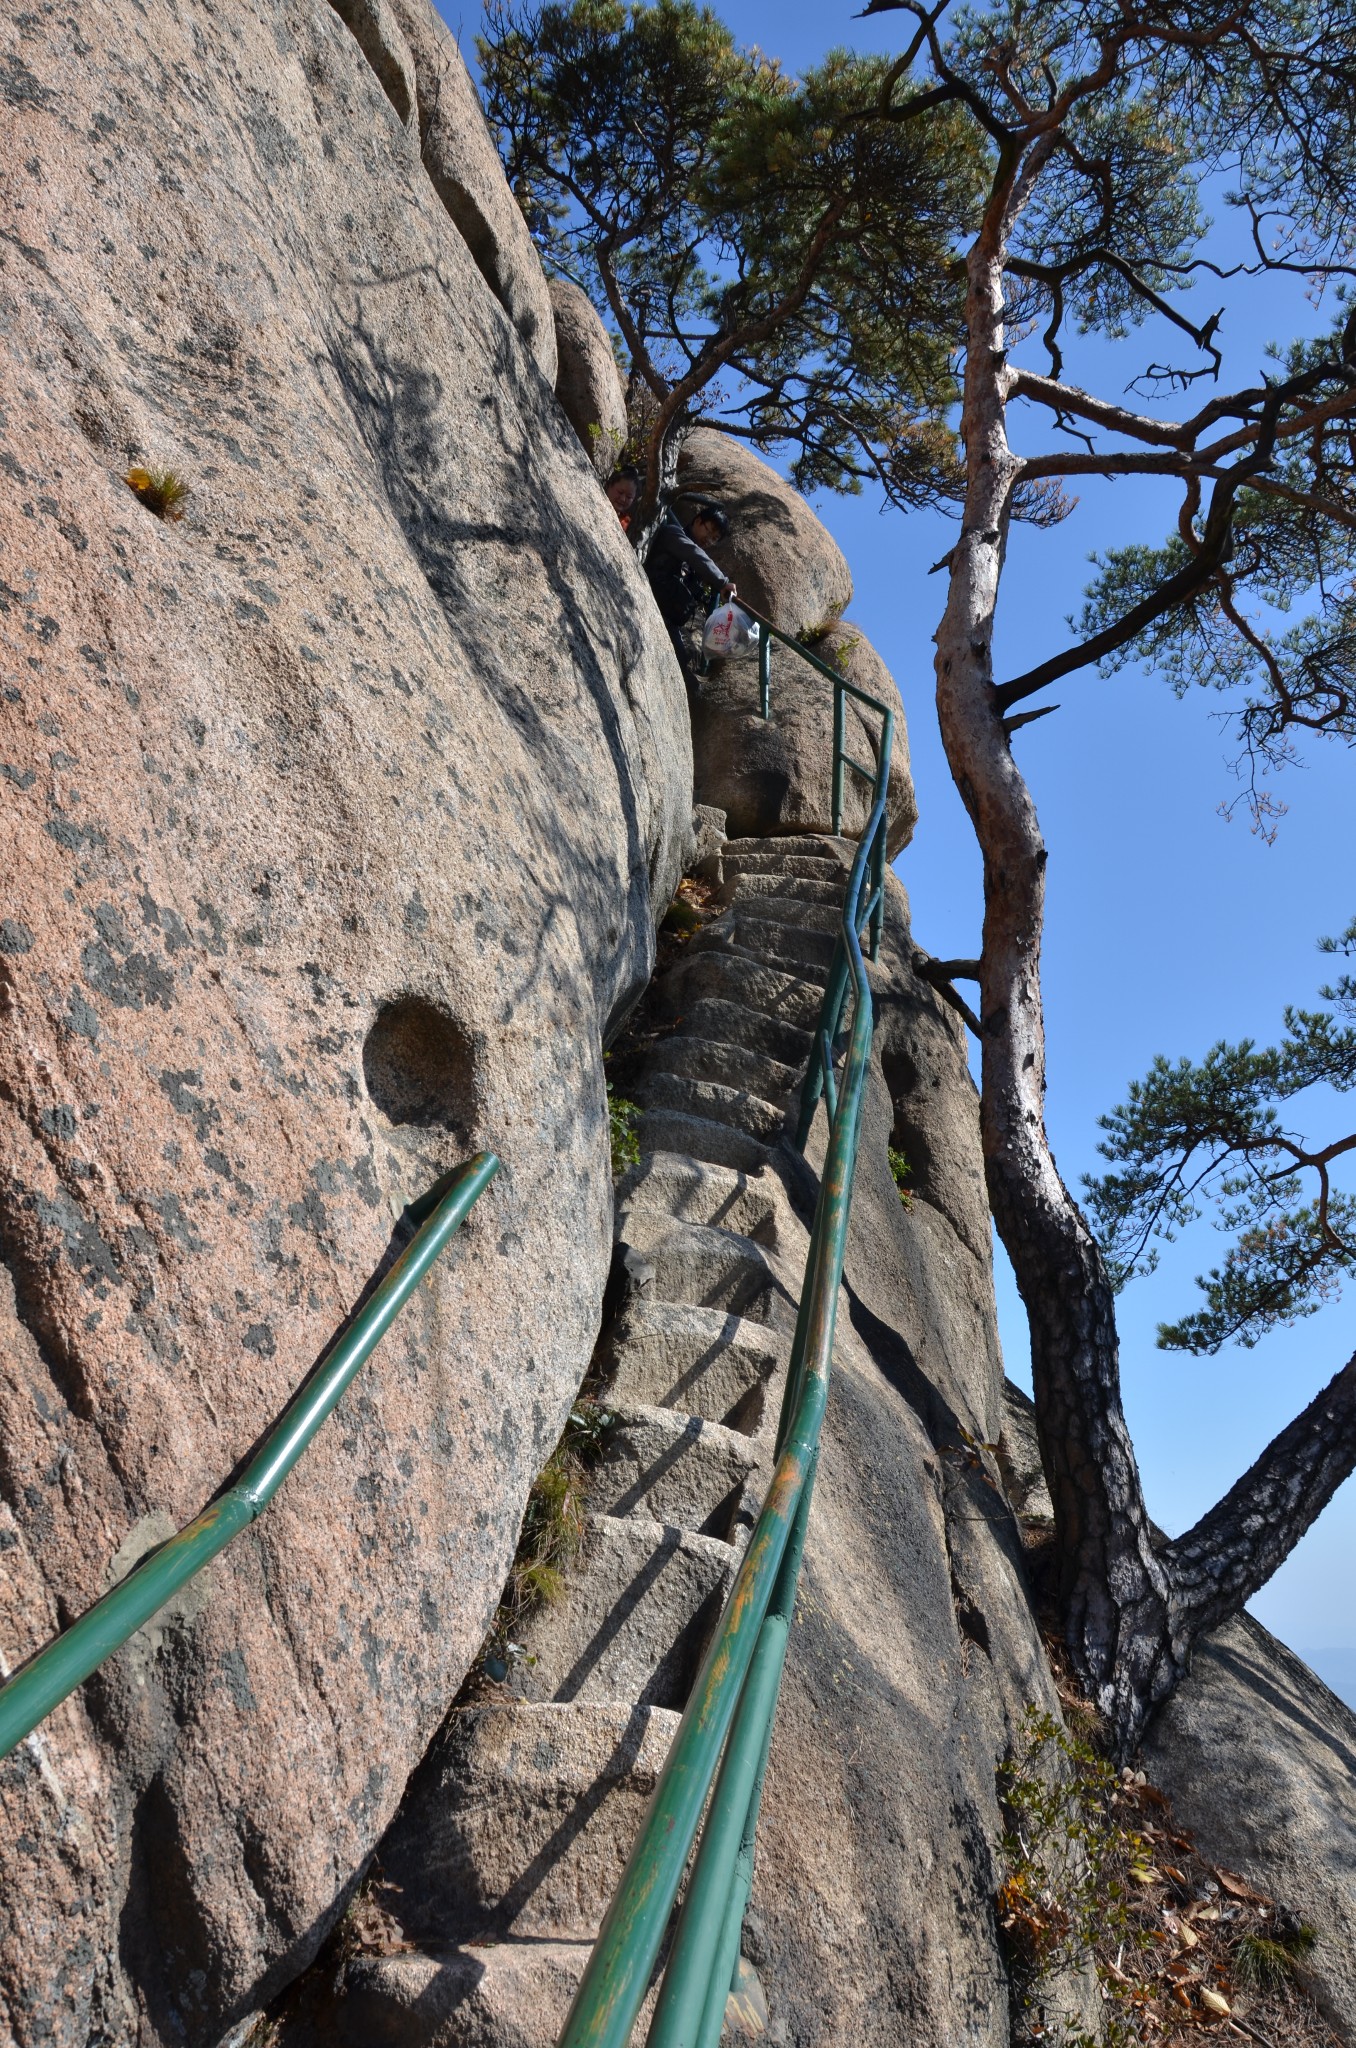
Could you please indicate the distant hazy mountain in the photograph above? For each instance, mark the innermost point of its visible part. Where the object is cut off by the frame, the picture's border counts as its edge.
(1337, 1669)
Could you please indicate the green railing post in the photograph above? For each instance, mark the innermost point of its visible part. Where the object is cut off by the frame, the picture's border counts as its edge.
(67, 1661)
(764, 670)
(839, 754)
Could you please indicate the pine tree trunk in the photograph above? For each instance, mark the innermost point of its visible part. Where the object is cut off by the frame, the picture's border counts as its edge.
(1114, 1592)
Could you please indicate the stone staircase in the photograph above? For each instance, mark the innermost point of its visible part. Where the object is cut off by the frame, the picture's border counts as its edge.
(515, 1831)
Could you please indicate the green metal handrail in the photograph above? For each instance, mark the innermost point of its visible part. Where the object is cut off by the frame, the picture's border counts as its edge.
(69, 1659)
(727, 1725)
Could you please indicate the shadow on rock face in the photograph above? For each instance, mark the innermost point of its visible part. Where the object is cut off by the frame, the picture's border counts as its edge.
(420, 1067)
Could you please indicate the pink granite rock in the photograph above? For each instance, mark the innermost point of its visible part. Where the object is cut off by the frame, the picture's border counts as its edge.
(333, 824)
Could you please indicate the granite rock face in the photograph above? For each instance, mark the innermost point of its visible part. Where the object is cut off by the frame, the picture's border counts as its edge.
(588, 383)
(775, 775)
(1260, 1761)
(783, 559)
(300, 906)
(1257, 1756)
(464, 168)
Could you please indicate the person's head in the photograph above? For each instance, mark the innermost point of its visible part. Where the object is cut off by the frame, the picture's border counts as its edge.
(623, 488)
(709, 525)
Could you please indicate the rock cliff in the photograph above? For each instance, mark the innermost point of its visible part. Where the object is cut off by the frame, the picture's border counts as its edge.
(338, 814)
(301, 902)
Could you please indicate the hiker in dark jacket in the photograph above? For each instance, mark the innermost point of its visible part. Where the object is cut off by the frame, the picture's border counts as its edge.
(681, 572)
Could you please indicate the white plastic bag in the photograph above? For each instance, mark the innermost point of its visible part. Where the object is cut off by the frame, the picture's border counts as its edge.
(727, 632)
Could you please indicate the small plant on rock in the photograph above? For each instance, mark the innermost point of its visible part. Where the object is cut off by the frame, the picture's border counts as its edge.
(900, 1172)
(1266, 1962)
(622, 1117)
(161, 491)
(1065, 1886)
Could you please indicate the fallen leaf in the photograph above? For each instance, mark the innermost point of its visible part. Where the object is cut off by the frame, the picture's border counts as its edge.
(1239, 1888)
(1212, 2002)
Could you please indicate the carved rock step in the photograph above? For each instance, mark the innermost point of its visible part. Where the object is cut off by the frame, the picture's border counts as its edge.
(713, 1268)
(642, 1601)
(670, 1130)
(782, 996)
(713, 1102)
(733, 1023)
(791, 910)
(513, 1994)
(812, 867)
(521, 1820)
(699, 1360)
(733, 1066)
(668, 1188)
(672, 1467)
(792, 846)
(753, 889)
(806, 953)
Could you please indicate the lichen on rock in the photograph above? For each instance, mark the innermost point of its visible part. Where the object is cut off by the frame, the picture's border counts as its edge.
(302, 901)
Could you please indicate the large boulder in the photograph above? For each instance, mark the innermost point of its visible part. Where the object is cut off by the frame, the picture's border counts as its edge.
(775, 775)
(1260, 1761)
(463, 165)
(299, 906)
(1257, 1756)
(588, 383)
(784, 559)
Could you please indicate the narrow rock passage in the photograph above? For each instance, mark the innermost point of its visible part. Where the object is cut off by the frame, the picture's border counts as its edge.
(514, 1833)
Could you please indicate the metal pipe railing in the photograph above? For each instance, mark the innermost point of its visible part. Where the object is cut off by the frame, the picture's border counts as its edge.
(842, 690)
(55, 1671)
(727, 1725)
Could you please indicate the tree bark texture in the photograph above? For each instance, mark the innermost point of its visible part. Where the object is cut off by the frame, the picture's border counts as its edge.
(1114, 1592)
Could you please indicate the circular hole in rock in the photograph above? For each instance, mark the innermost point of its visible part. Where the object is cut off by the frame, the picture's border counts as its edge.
(419, 1066)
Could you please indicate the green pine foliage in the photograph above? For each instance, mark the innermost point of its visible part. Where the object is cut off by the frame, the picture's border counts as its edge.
(1212, 1137)
(779, 252)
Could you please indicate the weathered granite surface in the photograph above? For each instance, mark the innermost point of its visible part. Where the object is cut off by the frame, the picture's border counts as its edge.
(783, 558)
(588, 382)
(301, 903)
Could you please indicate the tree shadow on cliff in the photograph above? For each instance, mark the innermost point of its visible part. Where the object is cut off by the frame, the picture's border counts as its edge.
(472, 512)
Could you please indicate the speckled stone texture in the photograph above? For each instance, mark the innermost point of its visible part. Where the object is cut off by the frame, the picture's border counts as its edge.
(333, 825)
(588, 382)
(783, 558)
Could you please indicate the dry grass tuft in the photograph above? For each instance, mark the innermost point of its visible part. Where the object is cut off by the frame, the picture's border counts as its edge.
(161, 491)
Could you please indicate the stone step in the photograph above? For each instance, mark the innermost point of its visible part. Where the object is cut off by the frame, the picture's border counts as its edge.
(792, 910)
(727, 976)
(735, 1024)
(512, 1994)
(755, 888)
(521, 1820)
(794, 846)
(711, 1267)
(713, 1102)
(805, 953)
(812, 867)
(675, 1468)
(669, 1187)
(668, 1130)
(700, 1360)
(634, 1618)
(733, 1066)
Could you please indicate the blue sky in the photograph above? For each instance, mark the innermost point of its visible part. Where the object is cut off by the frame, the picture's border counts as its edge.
(1167, 926)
